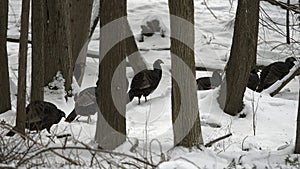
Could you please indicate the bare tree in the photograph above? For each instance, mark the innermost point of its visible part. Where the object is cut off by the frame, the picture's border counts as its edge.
(21, 101)
(4, 75)
(185, 114)
(242, 56)
(111, 87)
(38, 21)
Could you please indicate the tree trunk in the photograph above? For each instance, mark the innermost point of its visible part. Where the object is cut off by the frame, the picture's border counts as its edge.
(185, 112)
(58, 56)
(66, 35)
(21, 101)
(288, 41)
(134, 56)
(111, 88)
(297, 144)
(81, 11)
(39, 18)
(4, 75)
(242, 57)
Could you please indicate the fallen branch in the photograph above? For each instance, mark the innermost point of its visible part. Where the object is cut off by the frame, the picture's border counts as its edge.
(209, 144)
(285, 82)
(277, 86)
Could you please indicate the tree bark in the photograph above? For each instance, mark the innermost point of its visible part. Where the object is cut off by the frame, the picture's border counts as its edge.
(39, 19)
(242, 57)
(288, 41)
(66, 37)
(297, 144)
(185, 112)
(111, 87)
(81, 11)
(4, 73)
(21, 101)
(134, 56)
(58, 42)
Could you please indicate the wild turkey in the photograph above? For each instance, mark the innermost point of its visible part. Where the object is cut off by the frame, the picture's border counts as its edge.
(253, 80)
(41, 115)
(145, 82)
(206, 83)
(274, 72)
(85, 104)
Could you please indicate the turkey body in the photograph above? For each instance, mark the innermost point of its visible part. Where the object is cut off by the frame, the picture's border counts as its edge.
(41, 115)
(274, 72)
(145, 82)
(85, 104)
(253, 80)
(206, 83)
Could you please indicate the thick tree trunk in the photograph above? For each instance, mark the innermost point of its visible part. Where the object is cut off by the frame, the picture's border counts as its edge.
(39, 19)
(81, 11)
(66, 36)
(52, 42)
(21, 102)
(242, 57)
(185, 112)
(4, 75)
(58, 42)
(111, 88)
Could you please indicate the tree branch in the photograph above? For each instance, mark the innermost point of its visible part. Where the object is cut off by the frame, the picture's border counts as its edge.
(217, 140)
(283, 5)
(277, 86)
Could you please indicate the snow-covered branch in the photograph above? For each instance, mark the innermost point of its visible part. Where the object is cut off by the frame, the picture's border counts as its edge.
(277, 86)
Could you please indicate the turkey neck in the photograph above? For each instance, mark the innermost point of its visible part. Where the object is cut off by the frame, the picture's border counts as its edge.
(158, 71)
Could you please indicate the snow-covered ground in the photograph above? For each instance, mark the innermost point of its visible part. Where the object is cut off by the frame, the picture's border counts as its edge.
(150, 123)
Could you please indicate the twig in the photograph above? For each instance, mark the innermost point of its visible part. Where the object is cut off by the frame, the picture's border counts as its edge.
(189, 161)
(217, 140)
(39, 144)
(145, 161)
(244, 142)
(16, 40)
(204, 2)
(94, 150)
(283, 5)
(134, 146)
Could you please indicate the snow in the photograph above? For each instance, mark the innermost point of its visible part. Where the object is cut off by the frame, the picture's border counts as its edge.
(272, 118)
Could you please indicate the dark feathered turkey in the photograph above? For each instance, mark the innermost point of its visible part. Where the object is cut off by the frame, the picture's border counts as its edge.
(253, 80)
(41, 115)
(85, 104)
(206, 83)
(274, 72)
(145, 82)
